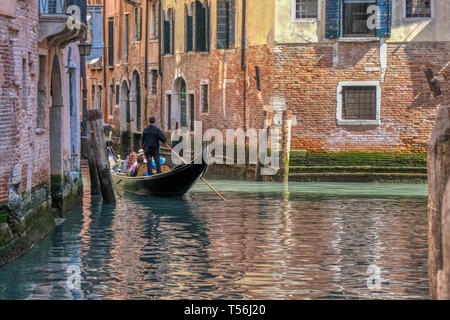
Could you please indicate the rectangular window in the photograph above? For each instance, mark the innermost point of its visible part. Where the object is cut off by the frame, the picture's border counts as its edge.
(93, 105)
(137, 24)
(189, 31)
(226, 17)
(154, 83)
(110, 43)
(24, 83)
(99, 98)
(359, 103)
(306, 9)
(126, 33)
(169, 111)
(117, 95)
(153, 15)
(418, 8)
(111, 100)
(355, 18)
(192, 111)
(169, 32)
(201, 25)
(204, 98)
(41, 108)
(116, 40)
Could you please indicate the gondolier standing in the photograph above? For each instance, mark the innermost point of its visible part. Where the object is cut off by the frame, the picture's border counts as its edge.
(150, 143)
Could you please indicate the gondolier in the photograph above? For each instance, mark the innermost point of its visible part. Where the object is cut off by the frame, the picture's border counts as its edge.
(150, 143)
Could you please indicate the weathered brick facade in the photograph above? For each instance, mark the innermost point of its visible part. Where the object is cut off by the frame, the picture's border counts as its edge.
(305, 75)
(126, 79)
(18, 49)
(39, 124)
(296, 61)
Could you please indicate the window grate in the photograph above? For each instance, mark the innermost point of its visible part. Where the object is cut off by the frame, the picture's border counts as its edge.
(305, 9)
(204, 95)
(359, 103)
(418, 8)
(154, 82)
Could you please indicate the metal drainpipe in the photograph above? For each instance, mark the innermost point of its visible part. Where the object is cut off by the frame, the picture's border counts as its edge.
(243, 67)
(146, 45)
(160, 68)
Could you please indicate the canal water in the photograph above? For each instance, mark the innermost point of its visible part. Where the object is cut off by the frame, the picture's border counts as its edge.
(267, 241)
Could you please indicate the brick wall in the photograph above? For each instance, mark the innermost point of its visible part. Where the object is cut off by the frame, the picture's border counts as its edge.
(222, 69)
(307, 75)
(18, 100)
(307, 78)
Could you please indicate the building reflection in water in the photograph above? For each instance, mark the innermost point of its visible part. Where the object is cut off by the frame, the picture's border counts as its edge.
(267, 243)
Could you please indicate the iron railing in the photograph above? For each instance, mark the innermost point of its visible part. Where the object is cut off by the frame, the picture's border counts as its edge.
(50, 7)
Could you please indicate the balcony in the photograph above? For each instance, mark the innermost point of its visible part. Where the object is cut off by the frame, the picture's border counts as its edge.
(62, 21)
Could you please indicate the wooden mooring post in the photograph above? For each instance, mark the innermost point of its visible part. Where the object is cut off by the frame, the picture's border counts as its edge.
(98, 152)
(438, 176)
(444, 274)
(93, 174)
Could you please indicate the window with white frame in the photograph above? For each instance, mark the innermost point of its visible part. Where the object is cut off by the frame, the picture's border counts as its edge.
(418, 8)
(358, 103)
(305, 10)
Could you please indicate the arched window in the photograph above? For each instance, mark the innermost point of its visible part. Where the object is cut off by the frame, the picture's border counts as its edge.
(169, 32)
(189, 28)
(201, 26)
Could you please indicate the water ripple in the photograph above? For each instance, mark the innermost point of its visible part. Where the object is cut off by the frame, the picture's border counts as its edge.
(266, 242)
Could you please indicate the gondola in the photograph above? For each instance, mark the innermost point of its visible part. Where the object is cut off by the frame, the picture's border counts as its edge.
(173, 183)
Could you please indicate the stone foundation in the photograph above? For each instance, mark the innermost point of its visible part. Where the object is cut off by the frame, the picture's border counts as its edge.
(32, 218)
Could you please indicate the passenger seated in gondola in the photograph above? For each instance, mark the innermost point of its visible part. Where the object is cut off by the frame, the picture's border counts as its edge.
(130, 162)
(133, 170)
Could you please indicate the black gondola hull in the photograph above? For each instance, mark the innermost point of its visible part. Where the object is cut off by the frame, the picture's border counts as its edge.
(170, 184)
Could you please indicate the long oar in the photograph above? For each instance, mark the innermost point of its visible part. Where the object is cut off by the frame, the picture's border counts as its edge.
(203, 179)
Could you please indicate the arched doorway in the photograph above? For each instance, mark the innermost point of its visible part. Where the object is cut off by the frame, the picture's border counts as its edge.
(55, 136)
(74, 113)
(179, 103)
(125, 118)
(124, 107)
(136, 104)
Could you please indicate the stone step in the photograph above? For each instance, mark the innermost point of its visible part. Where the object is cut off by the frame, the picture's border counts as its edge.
(356, 169)
(358, 177)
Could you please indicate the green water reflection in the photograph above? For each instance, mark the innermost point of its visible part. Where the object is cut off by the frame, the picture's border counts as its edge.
(267, 241)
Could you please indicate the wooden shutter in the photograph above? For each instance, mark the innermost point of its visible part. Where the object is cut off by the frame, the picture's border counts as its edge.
(172, 48)
(208, 28)
(232, 24)
(189, 32)
(385, 17)
(110, 43)
(332, 19)
(166, 37)
(200, 27)
(221, 28)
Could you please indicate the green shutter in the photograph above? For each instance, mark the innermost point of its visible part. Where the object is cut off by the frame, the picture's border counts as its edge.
(189, 32)
(385, 18)
(332, 19)
(200, 25)
(166, 37)
(221, 28)
(183, 107)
